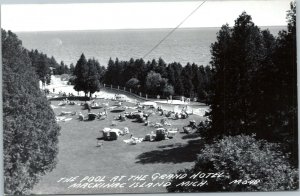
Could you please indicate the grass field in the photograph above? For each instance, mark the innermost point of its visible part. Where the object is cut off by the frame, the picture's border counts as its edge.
(80, 156)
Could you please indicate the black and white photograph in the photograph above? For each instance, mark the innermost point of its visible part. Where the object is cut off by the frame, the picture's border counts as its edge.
(149, 97)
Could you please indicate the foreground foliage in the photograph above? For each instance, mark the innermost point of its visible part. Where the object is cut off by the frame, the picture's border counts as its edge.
(30, 133)
(242, 158)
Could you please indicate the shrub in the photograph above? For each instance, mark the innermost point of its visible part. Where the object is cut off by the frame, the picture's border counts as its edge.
(30, 133)
(133, 83)
(242, 157)
(71, 80)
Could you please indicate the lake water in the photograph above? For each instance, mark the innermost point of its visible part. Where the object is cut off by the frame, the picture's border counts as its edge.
(184, 45)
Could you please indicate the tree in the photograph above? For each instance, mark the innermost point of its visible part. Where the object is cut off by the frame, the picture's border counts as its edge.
(53, 63)
(133, 84)
(30, 134)
(237, 58)
(285, 60)
(179, 89)
(171, 74)
(109, 75)
(101, 70)
(42, 69)
(81, 72)
(42, 64)
(161, 68)
(72, 69)
(93, 83)
(153, 82)
(62, 69)
(186, 78)
(87, 78)
(168, 90)
(254, 84)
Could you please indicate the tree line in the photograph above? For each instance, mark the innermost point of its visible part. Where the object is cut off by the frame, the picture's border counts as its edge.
(154, 77)
(151, 77)
(46, 66)
(159, 78)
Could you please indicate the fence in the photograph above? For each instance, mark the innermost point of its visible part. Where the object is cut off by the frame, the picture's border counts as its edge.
(139, 94)
(126, 92)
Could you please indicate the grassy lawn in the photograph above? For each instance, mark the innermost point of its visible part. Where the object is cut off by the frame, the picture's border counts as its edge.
(80, 156)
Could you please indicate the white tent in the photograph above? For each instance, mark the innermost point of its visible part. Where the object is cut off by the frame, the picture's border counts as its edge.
(149, 103)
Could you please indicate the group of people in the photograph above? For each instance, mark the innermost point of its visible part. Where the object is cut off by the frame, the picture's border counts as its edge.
(174, 115)
(92, 116)
(64, 94)
(185, 99)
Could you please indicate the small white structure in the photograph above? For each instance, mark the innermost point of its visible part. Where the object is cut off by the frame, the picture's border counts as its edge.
(150, 104)
(121, 98)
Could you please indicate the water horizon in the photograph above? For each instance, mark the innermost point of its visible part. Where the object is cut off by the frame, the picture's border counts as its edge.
(185, 45)
(136, 29)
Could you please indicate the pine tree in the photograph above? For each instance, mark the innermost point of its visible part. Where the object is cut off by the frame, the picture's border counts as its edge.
(81, 73)
(236, 55)
(109, 75)
(72, 69)
(93, 83)
(285, 59)
(186, 77)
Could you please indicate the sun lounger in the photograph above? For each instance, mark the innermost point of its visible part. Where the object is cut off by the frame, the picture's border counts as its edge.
(105, 104)
(158, 125)
(61, 104)
(64, 113)
(59, 118)
(96, 107)
(53, 106)
(66, 119)
(127, 141)
(102, 117)
(136, 140)
(118, 109)
(171, 134)
(133, 140)
(106, 129)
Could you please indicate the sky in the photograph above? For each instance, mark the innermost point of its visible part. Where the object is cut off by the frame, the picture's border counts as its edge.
(139, 15)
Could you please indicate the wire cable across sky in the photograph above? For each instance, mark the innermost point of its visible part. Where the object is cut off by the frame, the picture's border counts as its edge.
(174, 29)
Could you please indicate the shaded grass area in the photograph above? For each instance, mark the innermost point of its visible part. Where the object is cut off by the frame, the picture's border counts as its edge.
(80, 156)
(174, 153)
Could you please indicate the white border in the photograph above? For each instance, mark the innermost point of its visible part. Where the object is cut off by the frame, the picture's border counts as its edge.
(288, 193)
